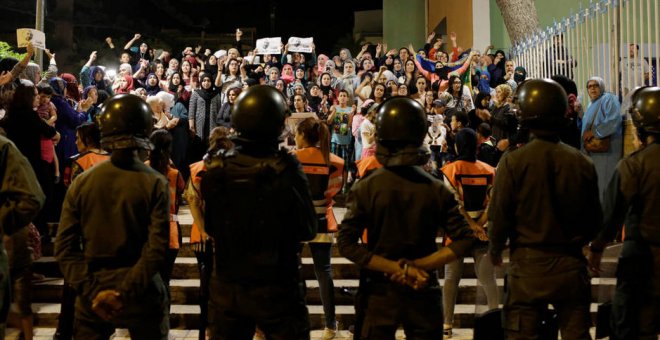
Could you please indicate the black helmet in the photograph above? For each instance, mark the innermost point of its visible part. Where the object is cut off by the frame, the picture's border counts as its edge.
(126, 123)
(259, 113)
(541, 105)
(400, 122)
(645, 109)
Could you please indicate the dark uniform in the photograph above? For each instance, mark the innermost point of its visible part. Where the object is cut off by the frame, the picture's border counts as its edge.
(403, 208)
(21, 199)
(632, 198)
(258, 208)
(545, 202)
(119, 212)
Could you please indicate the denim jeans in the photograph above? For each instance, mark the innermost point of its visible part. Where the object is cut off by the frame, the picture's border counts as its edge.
(321, 254)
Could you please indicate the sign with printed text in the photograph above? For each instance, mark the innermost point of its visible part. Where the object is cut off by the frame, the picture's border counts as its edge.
(303, 45)
(25, 35)
(269, 45)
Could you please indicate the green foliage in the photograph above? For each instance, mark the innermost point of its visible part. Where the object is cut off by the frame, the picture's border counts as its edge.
(6, 50)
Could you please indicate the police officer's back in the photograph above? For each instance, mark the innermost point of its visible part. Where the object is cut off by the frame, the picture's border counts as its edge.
(633, 199)
(258, 209)
(402, 208)
(119, 211)
(545, 202)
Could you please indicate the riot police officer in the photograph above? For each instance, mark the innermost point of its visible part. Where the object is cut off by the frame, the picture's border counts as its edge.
(258, 208)
(632, 199)
(119, 212)
(402, 207)
(545, 202)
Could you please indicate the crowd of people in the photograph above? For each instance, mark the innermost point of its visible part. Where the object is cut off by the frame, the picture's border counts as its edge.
(458, 136)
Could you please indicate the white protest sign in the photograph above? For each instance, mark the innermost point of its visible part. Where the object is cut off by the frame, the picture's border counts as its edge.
(303, 45)
(24, 35)
(269, 45)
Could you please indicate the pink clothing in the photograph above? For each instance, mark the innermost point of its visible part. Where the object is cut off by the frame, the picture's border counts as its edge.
(47, 150)
(357, 121)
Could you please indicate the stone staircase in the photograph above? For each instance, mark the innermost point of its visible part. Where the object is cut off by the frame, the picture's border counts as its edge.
(184, 316)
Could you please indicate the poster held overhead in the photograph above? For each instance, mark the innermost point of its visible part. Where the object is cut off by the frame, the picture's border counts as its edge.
(269, 45)
(25, 35)
(303, 45)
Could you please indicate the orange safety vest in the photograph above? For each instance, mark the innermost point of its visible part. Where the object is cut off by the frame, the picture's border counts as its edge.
(313, 164)
(472, 182)
(82, 162)
(195, 182)
(176, 185)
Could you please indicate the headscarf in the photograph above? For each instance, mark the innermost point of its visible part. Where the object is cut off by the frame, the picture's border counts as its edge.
(58, 84)
(484, 83)
(206, 94)
(330, 64)
(349, 56)
(152, 90)
(92, 71)
(320, 63)
(466, 145)
(86, 91)
(129, 85)
(72, 92)
(287, 78)
(517, 77)
(32, 72)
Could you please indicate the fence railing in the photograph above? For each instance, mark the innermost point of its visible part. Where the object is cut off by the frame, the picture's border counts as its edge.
(617, 40)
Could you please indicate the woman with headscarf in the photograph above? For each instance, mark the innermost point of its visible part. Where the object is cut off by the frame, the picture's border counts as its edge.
(124, 84)
(273, 75)
(152, 85)
(203, 103)
(349, 81)
(320, 66)
(180, 136)
(72, 94)
(602, 121)
(287, 73)
(89, 103)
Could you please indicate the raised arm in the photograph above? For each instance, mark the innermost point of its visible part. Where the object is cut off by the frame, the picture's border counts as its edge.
(130, 43)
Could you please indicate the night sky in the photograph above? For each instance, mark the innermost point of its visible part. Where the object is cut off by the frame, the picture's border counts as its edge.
(94, 20)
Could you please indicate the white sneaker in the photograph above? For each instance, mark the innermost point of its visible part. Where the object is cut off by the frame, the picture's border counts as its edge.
(329, 333)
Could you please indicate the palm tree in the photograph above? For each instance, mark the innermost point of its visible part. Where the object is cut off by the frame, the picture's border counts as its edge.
(520, 18)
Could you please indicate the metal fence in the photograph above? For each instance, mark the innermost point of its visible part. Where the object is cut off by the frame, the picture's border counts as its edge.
(616, 40)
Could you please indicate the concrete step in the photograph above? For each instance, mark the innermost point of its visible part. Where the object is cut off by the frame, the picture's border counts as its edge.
(187, 316)
(342, 268)
(186, 292)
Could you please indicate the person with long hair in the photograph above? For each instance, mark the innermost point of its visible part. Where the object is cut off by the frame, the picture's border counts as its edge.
(462, 98)
(159, 160)
(324, 174)
(25, 128)
(223, 117)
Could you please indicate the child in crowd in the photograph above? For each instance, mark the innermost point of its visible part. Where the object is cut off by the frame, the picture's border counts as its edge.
(48, 112)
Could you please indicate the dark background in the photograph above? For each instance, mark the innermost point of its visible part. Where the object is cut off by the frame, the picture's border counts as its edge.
(76, 27)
